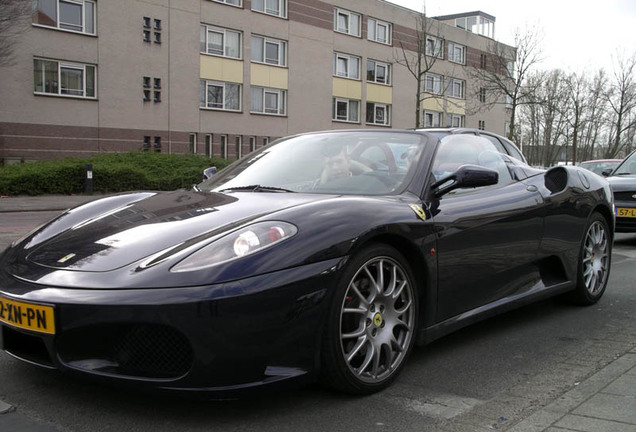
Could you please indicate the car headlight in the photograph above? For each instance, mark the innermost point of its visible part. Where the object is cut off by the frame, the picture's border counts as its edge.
(238, 244)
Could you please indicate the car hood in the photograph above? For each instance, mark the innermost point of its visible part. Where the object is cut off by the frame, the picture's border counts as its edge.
(117, 231)
(622, 183)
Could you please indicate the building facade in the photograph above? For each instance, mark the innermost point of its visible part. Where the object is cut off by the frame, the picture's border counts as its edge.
(223, 77)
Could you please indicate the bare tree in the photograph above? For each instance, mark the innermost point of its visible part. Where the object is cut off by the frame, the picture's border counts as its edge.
(622, 102)
(12, 18)
(577, 89)
(505, 76)
(419, 54)
(596, 115)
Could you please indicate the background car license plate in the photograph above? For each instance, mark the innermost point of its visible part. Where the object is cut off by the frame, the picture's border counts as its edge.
(626, 212)
(27, 316)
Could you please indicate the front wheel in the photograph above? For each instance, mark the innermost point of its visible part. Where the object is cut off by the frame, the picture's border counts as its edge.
(372, 322)
(594, 262)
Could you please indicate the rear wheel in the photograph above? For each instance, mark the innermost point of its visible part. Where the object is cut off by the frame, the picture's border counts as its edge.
(594, 262)
(372, 322)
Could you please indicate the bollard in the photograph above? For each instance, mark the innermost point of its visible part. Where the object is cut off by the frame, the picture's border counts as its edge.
(88, 182)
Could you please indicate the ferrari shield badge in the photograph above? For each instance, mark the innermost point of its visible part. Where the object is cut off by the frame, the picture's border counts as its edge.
(419, 211)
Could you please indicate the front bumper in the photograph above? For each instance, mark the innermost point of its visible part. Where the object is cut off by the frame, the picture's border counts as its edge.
(219, 338)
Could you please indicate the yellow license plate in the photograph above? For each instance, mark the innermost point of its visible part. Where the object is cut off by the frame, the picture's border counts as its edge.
(27, 316)
(626, 212)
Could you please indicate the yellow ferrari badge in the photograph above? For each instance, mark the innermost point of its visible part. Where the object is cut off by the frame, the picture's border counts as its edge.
(419, 211)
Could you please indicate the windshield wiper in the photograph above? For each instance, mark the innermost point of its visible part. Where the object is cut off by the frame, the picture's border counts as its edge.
(623, 173)
(256, 188)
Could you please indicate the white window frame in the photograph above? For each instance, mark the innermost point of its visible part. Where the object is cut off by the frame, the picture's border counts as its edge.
(209, 152)
(435, 118)
(434, 46)
(373, 26)
(353, 116)
(192, 143)
(264, 41)
(433, 84)
(235, 3)
(223, 145)
(223, 32)
(337, 57)
(205, 102)
(456, 88)
(385, 108)
(82, 4)
(456, 120)
(350, 30)
(456, 53)
(375, 64)
(252, 143)
(261, 6)
(84, 68)
(239, 146)
(281, 98)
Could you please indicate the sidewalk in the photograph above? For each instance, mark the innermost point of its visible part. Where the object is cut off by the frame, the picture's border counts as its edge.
(23, 203)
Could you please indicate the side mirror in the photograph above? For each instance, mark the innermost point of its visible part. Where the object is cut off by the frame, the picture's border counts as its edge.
(466, 176)
(607, 172)
(209, 172)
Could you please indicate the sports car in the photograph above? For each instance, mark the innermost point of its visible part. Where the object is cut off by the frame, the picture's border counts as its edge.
(623, 183)
(323, 256)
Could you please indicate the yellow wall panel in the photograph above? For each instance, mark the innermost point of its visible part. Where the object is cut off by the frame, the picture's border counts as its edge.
(379, 93)
(221, 69)
(269, 76)
(451, 106)
(346, 88)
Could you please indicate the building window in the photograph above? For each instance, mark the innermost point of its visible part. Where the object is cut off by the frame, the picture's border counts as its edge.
(378, 114)
(157, 82)
(434, 47)
(271, 7)
(455, 88)
(64, 78)
(238, 3)
(208, 145)
(265, 141)
(268, 101)
(239, 145)
(346, 66)
(379, 31)
(482, 125)
(157, 37)
(433, 83)
(432, 119)
(157, 144)
(347, 110)
(157, 24)
(482, 94)
(252, 143)
(146, 36)
(146, 22)
(483, 61)
(220, 95)
(378, 72)
(455, 120)
(193, 143)
(146, 144)
(72, 15)
(346, 22)
(508, 101)
(224, 146)
(269, 51)
(220, 42)
(456, 53)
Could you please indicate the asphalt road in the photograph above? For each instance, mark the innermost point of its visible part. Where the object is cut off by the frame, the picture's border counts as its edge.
(487, 376)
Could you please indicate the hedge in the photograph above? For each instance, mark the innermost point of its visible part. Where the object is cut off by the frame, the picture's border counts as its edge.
(115, 172)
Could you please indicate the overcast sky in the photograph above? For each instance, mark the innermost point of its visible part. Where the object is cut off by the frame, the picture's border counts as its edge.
(578, 35)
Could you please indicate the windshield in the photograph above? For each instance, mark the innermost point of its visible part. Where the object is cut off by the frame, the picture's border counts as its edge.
(357, 162)
(628, 167)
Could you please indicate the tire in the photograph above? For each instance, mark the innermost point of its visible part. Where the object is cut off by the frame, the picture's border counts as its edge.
(594, 263)
(371, 324)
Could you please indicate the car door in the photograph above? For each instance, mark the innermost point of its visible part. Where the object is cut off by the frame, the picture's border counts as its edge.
(487, 237)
